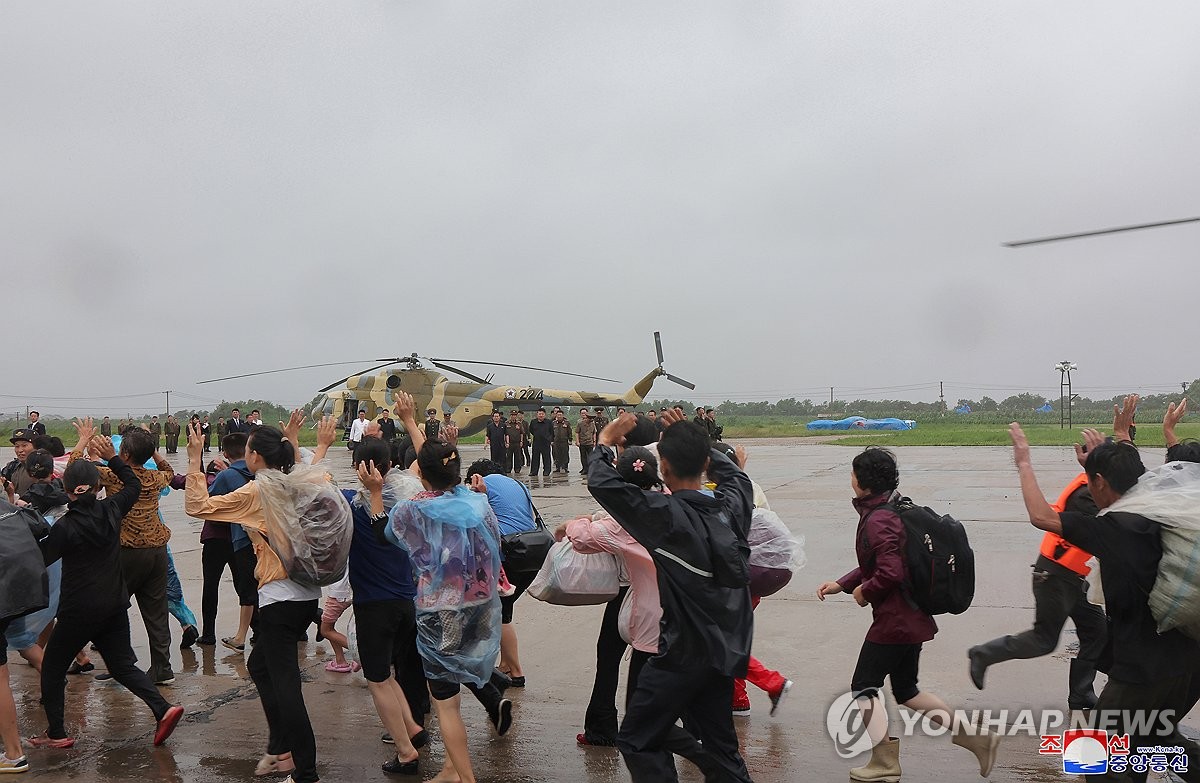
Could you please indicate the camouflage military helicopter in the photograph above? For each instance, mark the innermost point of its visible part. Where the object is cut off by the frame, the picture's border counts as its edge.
(470, 403)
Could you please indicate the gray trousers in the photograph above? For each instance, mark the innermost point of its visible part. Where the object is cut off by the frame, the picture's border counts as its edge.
(145, 572)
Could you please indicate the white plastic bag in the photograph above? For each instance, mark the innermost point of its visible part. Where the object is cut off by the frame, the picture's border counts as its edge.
(570, 578)
(309, 523)
(772, 545)
(1170, 495)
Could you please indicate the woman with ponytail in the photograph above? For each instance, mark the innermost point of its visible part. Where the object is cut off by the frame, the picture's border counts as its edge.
(286, 606)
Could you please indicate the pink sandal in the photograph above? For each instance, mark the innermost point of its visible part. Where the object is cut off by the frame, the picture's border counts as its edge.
(343, 668)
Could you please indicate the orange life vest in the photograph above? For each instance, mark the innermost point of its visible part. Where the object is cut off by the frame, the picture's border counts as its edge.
(1055, 547)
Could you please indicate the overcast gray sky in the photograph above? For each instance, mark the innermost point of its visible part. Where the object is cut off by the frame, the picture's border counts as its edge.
(799, 195)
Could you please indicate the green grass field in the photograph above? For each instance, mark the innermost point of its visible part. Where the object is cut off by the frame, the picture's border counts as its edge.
(955, 434)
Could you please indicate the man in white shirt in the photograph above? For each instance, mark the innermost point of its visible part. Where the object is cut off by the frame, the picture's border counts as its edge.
(358, 429)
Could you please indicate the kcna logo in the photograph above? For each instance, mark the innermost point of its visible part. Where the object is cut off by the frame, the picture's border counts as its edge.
(1085, 751)
(1095, 752)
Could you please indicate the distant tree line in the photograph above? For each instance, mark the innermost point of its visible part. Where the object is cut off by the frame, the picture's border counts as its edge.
(1022, 407)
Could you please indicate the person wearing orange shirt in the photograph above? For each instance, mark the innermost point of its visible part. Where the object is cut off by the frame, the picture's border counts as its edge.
(1059, 591)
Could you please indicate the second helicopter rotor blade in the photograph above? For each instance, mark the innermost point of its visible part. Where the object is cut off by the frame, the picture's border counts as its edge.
(1100, 232)
(351, 375)
(282, 369)
(523, 367)
(463, 373)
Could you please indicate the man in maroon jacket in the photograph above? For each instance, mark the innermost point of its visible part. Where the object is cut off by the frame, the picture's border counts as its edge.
(899, 629)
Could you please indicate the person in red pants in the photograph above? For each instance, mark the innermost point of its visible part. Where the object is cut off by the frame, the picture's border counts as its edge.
(769, 680)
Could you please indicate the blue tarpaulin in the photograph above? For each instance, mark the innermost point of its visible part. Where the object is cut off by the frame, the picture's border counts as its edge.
(859, 423)
(1047, 408)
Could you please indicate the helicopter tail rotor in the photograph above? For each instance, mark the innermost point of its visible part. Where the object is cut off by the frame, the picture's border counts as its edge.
(665, 374)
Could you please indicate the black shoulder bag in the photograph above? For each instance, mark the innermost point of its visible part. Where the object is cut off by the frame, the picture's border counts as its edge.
(525, 552)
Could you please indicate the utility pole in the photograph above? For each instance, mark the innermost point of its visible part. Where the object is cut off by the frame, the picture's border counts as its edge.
(942, 395)
(168, 402)
(831, 395)
(1065, 398)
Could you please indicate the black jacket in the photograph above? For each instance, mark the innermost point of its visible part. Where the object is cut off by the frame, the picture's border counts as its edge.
(707, 619)
(88, 540)
(24, 587)
(541, 432)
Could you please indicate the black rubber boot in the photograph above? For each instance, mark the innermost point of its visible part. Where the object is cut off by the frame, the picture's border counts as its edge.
(984, 655)
(1082, 694)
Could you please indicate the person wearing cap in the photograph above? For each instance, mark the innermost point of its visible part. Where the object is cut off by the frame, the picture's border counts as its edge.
(715, 431)
(525, 443)
(600, 419)
(515, 432)
(172, 430)
(585, 438)
(432, 425)
(35, 423)
(562, 442)
(156, 430)
(448, 433)
(15, 476)
(106, 428)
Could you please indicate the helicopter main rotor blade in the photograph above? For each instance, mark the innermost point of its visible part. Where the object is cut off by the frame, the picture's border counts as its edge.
(463, 373)
(1118, 230)
(658, 347)
(351, 375)
(680, 381)
(523, 367)
(269, 372)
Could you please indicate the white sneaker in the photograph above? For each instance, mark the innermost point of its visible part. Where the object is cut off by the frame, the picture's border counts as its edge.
(777, 699)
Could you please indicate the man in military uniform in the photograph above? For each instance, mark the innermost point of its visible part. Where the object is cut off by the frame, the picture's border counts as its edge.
(714, 430)
(106, 428)
(541, 432)
(699, 420)
(387, 426)
(172, 430)
(515, 430)
(525, 443)
(432, 426)
(562, 442)
(600, 419)
(156, 431)
(14, 472)
(585, 438)
(497, 439)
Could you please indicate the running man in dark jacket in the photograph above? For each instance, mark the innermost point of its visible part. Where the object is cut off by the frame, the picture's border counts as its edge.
(94, 603)
(698, 543)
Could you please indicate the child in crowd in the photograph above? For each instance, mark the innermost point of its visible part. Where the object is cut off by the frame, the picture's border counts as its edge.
(338, 598)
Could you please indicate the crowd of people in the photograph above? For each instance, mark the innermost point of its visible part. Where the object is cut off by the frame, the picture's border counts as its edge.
(418, 552)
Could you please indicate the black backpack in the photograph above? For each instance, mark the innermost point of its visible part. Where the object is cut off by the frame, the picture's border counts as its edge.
(938, 557)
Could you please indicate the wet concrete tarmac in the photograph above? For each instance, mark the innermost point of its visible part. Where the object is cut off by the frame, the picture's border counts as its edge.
(815, 644)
